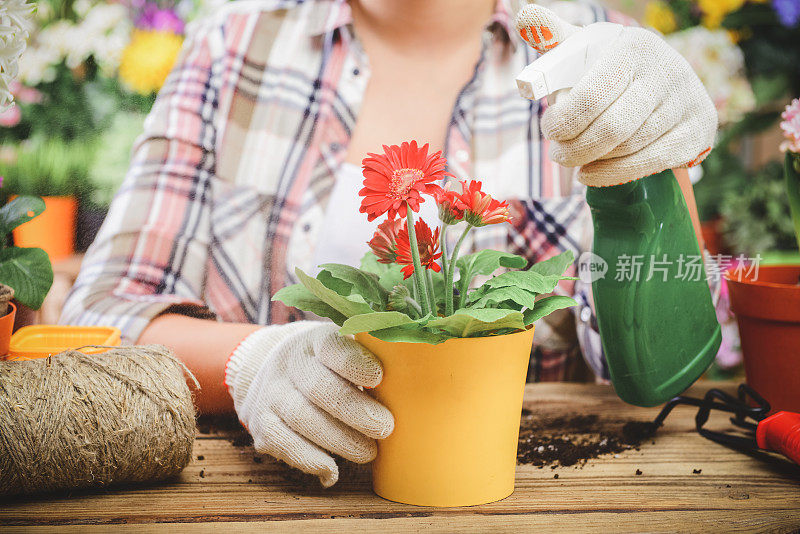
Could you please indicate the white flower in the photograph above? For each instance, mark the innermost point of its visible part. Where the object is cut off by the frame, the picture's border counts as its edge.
(103, 32)
(14, 28)
(719, 64)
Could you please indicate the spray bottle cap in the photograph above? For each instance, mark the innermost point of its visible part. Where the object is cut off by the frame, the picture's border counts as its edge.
(571, 50)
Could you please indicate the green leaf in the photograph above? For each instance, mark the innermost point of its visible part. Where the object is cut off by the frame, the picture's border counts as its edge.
(301, 298)
(555, 265)
(394, 277)
(389, 275)
(362, 283)
(486, 262)
(492, 297)
(467, 322)
(346, 305)
(370, 264)
(769, 87)
(410, 334)
(19, 211)
(29, 272)
(337, 284)
(527, 280)
(374, 321)
(546, 306)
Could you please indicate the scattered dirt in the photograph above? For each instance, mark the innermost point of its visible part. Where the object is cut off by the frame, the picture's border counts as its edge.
(696, 471)
(200, 458)
(224, 424)
(543, 441)
(638, 471)
(218, 424)
(575, 439)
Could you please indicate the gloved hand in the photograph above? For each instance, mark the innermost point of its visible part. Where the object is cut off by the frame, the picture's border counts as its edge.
(294, 388)
(640, 109)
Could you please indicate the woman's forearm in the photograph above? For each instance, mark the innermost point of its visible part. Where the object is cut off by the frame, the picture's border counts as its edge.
(203, 346)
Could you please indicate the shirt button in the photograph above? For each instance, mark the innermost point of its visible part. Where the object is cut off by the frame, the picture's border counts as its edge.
(356, 71)
(586, 314)
(336, 147)
(462, 156)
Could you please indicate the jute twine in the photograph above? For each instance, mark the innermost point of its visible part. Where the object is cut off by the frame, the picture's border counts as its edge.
(79, 420)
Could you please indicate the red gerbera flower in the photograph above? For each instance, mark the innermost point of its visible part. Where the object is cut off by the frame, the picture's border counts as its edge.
(399, 176)
(427, 243)
(449, 210)
(480, 208)
(384, 241)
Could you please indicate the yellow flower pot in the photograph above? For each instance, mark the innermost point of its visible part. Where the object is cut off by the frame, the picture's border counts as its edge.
(457, 408)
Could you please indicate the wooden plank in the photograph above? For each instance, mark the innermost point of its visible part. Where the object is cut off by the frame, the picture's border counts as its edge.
(232, 484)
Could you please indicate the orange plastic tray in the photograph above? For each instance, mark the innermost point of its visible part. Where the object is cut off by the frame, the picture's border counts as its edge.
(41, 341)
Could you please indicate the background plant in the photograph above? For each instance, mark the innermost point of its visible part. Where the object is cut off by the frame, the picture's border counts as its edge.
(26, 270)
(747, 53)
(86, 81)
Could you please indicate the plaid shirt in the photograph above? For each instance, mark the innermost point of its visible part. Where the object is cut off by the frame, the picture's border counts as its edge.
(228, 184)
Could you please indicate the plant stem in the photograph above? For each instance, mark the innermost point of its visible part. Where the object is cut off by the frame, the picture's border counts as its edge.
(432, 293)
(443, 247)
(415, 306)
(451, 273)
(419, 276)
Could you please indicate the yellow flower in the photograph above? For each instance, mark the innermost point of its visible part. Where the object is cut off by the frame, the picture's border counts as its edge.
(715, 10)
(740, 35)
(658, 15)
(148, 59)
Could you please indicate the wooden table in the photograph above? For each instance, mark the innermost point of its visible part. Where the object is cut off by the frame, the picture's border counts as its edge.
(228, 486)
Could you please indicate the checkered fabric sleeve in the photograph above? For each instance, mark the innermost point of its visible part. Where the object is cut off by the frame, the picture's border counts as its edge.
(151, 251)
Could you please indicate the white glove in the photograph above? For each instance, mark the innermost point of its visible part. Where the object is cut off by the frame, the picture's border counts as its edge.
(639, 110)
(294, 388)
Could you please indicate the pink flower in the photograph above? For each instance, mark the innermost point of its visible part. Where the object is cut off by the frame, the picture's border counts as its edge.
(155, 18)
(791, 127)
(384, 241)
(25, 94)
(10, 117)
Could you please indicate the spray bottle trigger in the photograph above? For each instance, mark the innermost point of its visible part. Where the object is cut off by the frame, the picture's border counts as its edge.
(564, 65)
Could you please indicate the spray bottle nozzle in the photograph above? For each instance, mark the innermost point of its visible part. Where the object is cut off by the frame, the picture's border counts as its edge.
(568, 51)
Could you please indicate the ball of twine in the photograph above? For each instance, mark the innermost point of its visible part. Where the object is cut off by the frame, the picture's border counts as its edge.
(78, 420)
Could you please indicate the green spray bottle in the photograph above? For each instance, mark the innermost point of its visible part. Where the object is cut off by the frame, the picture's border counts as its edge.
(654, 309)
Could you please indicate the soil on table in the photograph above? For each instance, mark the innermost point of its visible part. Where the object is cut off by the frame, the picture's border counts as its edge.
(543, 441)
(575, 439)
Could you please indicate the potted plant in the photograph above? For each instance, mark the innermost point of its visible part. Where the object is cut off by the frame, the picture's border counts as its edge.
(766, 299)
(56, 171)
(25, 273)
(455, 356)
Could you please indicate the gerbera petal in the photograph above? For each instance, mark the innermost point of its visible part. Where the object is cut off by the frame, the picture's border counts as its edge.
(401, 175)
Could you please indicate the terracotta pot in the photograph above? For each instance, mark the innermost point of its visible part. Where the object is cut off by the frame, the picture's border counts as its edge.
(6, 328)
(457, 408)
(712, 235)
(53, 230)
(767, 308)
(25, 316)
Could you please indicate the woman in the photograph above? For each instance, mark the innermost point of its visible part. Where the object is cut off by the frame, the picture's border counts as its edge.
(248, 167)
